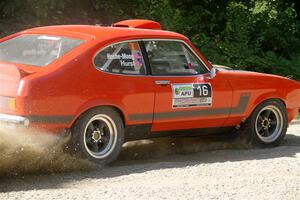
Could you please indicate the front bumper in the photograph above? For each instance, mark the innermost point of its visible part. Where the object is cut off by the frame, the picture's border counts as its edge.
(14, 119)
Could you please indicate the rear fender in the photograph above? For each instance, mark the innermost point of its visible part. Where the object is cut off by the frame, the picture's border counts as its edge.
(96, 103)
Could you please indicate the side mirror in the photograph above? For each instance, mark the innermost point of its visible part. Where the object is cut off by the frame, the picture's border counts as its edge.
(213, 73)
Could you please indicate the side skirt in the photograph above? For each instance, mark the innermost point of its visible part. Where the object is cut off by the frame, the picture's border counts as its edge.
(138, 132)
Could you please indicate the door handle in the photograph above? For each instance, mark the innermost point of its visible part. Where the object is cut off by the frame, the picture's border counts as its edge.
(162, 82)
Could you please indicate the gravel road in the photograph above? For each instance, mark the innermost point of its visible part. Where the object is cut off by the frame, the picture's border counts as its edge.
(175, 169)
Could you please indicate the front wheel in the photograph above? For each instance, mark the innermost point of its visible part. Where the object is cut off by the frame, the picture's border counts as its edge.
(98, 135)
(268, 124)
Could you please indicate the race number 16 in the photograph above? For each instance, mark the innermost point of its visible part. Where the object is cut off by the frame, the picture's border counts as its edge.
(202, 90)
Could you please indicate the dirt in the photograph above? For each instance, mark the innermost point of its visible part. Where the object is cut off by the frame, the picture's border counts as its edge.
(24, 152)
(165, 168)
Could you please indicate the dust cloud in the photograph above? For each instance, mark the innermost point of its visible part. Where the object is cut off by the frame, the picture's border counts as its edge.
(23, 151)
(33, 152)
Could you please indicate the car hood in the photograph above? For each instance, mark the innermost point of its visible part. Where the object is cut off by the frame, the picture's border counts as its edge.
(226, 68)
(260, 74)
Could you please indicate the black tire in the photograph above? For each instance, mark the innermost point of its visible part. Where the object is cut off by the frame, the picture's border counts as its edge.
(98, 135)
(267, 125)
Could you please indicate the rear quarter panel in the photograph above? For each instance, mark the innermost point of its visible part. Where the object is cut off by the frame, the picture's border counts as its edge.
(61, 95)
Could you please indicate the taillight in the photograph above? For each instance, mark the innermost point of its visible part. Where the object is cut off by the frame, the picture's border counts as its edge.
(8, 103)
(12, 103)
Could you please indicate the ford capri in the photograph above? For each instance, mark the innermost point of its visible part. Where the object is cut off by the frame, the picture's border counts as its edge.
(106, 85)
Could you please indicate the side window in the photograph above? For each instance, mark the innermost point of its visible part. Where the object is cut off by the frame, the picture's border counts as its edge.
(121, 58)
(172, 58)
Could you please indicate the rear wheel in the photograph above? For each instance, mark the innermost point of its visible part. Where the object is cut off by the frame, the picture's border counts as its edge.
(268, 124)
(98, 135)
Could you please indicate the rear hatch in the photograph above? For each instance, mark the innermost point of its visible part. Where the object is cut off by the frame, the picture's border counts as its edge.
(23, 55)
(28, 53)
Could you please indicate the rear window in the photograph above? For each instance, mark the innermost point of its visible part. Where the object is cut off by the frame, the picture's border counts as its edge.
(121, 58)
(36, 50)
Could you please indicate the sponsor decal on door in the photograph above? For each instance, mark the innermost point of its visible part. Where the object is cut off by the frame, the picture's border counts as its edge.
(192, 95)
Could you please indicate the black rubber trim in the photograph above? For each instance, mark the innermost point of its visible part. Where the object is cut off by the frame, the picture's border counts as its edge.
(51, 119)
(134, 132)
(145, 57)
(244, 100)
(143, 131)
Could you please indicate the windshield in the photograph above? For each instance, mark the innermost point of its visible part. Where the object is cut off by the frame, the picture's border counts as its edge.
(36, 50)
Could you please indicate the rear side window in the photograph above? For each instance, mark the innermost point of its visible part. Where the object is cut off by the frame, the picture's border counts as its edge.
(121, 58)
(36, 50)
(173, 58)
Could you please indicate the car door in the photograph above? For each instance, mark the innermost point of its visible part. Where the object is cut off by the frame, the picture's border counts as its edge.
(185, 95)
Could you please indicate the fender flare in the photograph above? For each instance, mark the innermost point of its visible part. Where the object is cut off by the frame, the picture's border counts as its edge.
(98, 103)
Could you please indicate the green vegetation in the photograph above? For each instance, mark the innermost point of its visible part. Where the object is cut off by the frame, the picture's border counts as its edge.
(259, 35)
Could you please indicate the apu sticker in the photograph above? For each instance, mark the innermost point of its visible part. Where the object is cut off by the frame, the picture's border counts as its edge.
(191, 95)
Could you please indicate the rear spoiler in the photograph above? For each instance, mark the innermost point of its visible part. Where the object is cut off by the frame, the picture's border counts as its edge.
(138, 23)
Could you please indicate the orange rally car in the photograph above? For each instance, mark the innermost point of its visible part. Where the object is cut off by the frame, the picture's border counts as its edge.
(133, 80)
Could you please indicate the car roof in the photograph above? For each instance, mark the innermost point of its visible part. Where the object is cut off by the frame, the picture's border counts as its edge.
(124, 30)
(104, 32)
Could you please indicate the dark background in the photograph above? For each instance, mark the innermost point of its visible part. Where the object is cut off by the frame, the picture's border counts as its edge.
(262, 35)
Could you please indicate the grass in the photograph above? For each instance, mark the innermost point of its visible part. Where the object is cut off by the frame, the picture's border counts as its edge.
(298, 117)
